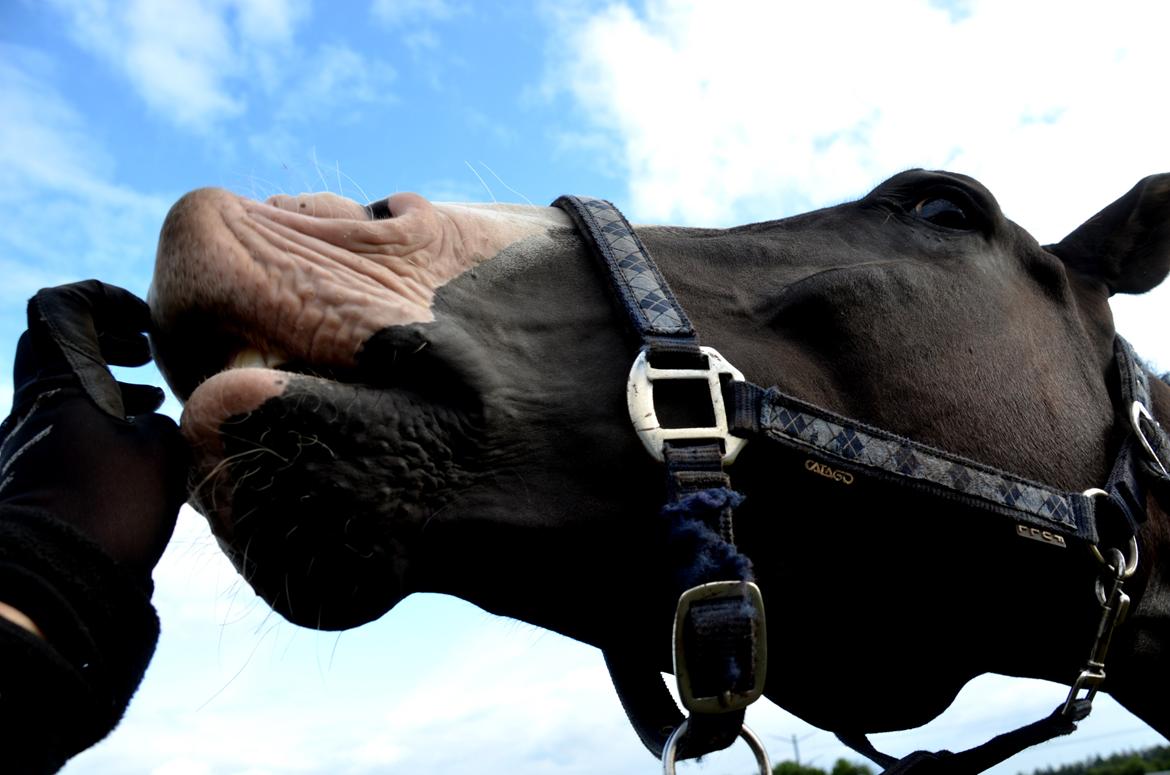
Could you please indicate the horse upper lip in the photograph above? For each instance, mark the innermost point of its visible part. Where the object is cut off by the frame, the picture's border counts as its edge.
(233, 275)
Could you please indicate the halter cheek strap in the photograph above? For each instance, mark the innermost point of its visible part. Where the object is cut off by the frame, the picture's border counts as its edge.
(719, 634)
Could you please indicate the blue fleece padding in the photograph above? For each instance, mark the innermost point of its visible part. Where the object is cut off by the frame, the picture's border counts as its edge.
(692, 536)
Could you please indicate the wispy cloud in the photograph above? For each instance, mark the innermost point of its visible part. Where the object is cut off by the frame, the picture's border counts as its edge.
(233, 73)
(406, 13)
(178, 56)
(53, 175)
(416, 22)
(200, 63)
(338, 80)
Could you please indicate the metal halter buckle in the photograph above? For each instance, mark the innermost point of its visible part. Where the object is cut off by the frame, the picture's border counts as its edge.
(1137, 413)
(728, 700)
(640, 398)
(670, 752)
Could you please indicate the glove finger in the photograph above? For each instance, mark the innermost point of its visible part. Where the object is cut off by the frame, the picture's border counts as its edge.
(141, 399)
(124, 349)
(173, 456)
(115, 309)
(110, 308)
(70, 316)
(122, 320)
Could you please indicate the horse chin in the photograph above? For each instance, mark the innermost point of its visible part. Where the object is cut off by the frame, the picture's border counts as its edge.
(317, 489)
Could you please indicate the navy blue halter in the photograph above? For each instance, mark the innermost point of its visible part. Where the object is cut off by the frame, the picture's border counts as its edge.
(720, 651)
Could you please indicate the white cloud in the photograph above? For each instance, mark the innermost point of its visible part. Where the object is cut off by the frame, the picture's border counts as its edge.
(203, 63)
(177, 56)
(764, 109)
(1145, 322)
(271, 22)
(181, 767)
(435, 686)
(717, 113)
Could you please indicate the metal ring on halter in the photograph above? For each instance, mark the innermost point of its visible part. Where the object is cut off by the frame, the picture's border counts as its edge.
(1139, 412)
(1131, 559)
(671, 749)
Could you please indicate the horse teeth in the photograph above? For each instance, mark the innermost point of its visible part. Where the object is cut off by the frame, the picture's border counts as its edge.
(251, 358)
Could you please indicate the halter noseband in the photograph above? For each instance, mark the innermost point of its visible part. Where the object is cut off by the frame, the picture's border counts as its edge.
(720, 653)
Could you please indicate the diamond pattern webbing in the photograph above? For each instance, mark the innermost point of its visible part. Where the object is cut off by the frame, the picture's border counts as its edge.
(780, 419)
(641, 287)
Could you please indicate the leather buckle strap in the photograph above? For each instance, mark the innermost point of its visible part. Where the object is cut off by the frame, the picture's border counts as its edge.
(650, 305)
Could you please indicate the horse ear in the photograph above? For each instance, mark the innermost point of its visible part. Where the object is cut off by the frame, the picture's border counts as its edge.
(1126, 245)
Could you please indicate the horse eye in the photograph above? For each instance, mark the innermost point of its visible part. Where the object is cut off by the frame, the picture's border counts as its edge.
(943, 212)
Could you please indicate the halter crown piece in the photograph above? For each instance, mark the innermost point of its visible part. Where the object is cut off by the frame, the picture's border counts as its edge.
(720, 652)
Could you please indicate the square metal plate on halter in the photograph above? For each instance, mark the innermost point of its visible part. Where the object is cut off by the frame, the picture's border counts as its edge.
(728, 700)
(640, 399)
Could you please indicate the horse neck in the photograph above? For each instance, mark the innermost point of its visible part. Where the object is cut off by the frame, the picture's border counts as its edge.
(1139, 667)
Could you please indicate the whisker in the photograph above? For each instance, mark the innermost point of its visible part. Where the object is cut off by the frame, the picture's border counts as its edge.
(505, 185)
(333, 652)
(317, 166)
(239, 672)
(482, 182)
(356, 185)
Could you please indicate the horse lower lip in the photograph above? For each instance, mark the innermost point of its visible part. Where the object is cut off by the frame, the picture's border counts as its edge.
(316, 487)
(320, 596)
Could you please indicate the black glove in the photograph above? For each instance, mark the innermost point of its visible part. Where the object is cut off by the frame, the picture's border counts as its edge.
(82, 446)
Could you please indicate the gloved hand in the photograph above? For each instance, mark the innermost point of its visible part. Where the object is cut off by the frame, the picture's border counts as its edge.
(82, 446)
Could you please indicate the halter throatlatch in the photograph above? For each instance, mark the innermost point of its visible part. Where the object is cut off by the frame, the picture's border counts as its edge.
(720, 654)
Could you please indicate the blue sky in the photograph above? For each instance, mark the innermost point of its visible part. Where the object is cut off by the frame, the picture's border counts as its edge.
(694, 113)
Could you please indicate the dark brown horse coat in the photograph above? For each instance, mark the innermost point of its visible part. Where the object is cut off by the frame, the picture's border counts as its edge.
(434, 400)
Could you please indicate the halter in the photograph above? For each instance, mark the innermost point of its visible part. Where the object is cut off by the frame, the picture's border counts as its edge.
(720, 653)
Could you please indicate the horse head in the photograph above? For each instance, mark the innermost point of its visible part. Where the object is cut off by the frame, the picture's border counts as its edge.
(412, 396)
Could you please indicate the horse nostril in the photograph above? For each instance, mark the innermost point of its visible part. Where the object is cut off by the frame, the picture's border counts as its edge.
(380, 210)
